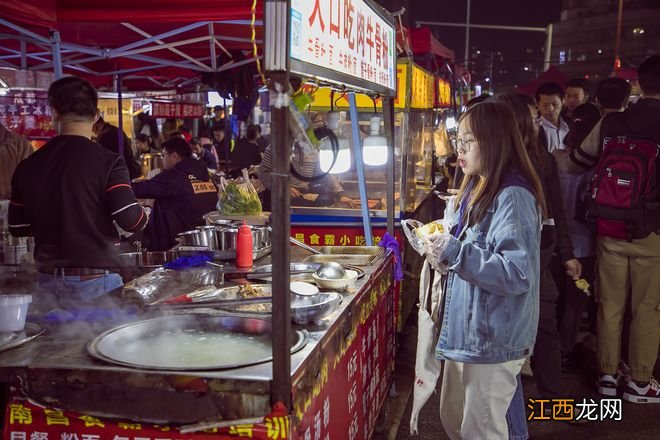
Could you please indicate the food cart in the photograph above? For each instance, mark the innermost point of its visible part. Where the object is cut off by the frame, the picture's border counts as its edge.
(333, 386)
(414, 133)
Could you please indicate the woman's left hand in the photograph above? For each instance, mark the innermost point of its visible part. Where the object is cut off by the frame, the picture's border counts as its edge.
(435, 248)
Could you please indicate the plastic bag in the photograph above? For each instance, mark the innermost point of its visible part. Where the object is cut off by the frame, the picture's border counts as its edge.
(427, 366)
(238, 197)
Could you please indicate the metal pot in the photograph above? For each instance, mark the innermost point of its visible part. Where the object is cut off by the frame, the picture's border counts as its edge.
(261, 236)
(208, 236)
(191, 238)
(147, 259)
(226, 237)
(149, 162)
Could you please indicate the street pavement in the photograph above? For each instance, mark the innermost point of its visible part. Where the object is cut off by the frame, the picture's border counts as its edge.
(637, 421)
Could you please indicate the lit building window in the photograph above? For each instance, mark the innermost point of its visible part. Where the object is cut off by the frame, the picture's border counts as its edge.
(562, 56)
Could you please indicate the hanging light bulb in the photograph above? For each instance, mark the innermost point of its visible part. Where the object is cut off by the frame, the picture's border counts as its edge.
(374, 147)
(343, 162)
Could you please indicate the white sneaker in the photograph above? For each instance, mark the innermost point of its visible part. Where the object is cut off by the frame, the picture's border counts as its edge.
(607, 384)
(650, 393)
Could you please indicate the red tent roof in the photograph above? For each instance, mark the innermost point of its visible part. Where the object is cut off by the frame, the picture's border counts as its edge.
(102, 38)
(424, 42)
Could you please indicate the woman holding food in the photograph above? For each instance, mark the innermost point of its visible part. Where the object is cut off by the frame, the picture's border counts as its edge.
(490, 306)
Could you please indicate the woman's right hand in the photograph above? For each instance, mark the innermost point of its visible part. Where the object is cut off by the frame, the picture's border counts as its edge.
(294, 193)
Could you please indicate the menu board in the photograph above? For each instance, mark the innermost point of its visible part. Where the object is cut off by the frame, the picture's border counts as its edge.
(27, 113)
(347, 40)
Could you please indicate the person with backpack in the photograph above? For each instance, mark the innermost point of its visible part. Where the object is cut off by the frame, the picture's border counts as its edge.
(624, 205)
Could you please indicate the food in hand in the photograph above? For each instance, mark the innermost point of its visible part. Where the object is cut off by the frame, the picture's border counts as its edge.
(583, 285)
(429, 229)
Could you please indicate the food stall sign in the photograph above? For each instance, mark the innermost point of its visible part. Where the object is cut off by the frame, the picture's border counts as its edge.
(27, 113)
(177, 110)
(423, 89)
(350, 42)
(363, 102)
(108, 108)
(444, 94)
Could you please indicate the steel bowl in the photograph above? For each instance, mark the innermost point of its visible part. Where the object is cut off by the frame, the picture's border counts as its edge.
(143, 344)
(314, 308)
(208, 236)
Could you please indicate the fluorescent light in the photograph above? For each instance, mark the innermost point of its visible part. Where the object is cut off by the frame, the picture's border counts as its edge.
(374, 147)
(326, 155)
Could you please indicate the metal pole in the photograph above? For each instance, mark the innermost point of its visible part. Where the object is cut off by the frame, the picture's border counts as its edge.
(277, 25)
(483, 26)
(388, 116)
(617, 46)
(548, 47)
(120, 119)
(359, 164)
(57, 56)
(467, 35)
(23, 55)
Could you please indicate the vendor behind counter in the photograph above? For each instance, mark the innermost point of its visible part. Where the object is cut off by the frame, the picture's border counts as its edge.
(322, 192)
(182, 194)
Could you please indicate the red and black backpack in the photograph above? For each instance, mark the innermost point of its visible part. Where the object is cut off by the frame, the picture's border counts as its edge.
(623, 200)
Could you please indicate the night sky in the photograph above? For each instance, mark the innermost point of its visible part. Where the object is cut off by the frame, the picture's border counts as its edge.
(536, 13)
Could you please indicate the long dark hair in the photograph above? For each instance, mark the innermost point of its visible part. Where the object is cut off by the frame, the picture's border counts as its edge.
(502, 151)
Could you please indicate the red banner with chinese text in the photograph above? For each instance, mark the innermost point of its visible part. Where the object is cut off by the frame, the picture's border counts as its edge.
(26, 421)
(177, 110)
(340, 395)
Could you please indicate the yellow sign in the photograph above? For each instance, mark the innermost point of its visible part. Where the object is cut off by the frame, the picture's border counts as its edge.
(108, 109)
(444, 93)
(423, 89)
(362, 101)
(203, 187)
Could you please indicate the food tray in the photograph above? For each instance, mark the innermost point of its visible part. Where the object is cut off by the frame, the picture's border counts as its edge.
(16, 339)
(254, 219)
(118, 345)
(375, 251)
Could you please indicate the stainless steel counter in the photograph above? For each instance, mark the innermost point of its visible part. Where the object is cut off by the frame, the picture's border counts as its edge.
(56, 369)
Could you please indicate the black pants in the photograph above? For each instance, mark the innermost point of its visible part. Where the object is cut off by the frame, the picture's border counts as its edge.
(572, 303)
(546, 362)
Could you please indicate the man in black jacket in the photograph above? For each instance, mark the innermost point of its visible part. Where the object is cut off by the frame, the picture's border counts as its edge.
(67, 195)
(182, 193)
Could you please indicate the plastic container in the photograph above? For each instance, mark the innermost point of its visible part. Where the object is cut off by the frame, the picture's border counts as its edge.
(13, 311)
(244, 246)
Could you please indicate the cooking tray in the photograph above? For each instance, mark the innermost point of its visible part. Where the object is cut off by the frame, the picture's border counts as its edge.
(190, 342)
(15, 339)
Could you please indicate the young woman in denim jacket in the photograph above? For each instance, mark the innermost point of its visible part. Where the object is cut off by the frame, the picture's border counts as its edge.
(490, 307)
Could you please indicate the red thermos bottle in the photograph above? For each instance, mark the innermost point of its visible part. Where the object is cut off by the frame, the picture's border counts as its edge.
(244, 246)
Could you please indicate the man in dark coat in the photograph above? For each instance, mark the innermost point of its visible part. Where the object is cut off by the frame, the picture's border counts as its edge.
(182, 193)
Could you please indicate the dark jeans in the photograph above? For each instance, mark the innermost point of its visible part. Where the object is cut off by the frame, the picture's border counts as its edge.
(546, 362)
(572, 303)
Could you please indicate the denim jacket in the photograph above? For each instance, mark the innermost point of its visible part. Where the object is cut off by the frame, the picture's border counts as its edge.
(491, 307)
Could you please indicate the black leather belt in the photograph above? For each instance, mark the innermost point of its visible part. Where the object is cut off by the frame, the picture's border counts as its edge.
(74, 271)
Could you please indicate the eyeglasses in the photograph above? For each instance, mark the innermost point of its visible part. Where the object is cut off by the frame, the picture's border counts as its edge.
(461, 145)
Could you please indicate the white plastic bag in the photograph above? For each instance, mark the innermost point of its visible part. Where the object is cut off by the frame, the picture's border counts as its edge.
(427, 367)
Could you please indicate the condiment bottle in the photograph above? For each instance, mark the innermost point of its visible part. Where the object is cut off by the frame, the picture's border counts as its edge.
(244, 246)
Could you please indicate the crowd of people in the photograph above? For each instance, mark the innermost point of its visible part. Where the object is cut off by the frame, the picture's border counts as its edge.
(520, 239)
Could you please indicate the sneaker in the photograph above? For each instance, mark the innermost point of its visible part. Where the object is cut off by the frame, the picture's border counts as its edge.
(649, 393)
(607, 384)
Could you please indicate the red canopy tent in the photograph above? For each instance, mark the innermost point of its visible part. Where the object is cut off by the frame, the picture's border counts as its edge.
(153, 44)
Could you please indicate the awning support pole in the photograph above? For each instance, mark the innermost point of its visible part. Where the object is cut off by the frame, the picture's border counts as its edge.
(120, 118)
(388, 116)
(57, 56)
(359, 164)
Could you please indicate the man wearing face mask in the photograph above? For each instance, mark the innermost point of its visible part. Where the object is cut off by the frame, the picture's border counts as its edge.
(68, 195)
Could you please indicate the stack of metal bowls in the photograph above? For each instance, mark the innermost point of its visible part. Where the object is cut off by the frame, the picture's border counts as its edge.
(223, 238)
